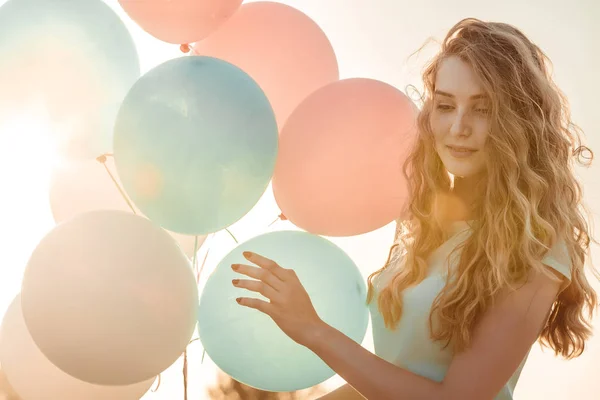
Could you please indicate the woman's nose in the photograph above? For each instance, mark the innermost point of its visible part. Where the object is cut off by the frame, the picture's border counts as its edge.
(460, 125)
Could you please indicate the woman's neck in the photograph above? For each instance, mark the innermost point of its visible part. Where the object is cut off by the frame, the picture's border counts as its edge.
(465, 195)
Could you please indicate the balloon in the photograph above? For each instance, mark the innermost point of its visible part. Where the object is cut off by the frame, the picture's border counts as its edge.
(195, 144)
(248, 345)
(285, 51)
(180, 21)
(82, 186)
(34, 377)
(6, 390)
(339, 169)
(75, 57)
(109, 298)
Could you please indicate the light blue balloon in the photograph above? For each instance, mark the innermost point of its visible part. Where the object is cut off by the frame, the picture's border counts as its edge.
(86, 43)
(247, 345)
(195, 144)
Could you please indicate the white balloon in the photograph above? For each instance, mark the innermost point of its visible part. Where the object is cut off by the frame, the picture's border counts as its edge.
(34, 377)
(110, 298)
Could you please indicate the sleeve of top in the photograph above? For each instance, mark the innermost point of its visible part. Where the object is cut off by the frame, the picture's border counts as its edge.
(558, 259)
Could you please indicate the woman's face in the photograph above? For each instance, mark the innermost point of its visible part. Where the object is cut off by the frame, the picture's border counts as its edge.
(460, 118)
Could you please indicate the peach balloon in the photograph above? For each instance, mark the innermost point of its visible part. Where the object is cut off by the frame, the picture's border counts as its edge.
(34, 377)
(85, 185)
(6, 390)
(109, 298)
(339, 168)
(180, 21)
(281, 48)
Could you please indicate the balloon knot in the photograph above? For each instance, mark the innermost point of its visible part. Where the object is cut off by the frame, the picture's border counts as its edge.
(101, 159)
(282, 217)
(185, 48)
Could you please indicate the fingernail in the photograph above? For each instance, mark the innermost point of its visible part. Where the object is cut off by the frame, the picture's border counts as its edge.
(247, 254)
(234, 267)
(235, 281)
(239, 300)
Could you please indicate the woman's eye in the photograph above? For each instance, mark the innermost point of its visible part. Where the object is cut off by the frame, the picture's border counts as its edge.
(444, 107)
(482, 110)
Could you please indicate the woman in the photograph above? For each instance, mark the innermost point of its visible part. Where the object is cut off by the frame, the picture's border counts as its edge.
(467, 290)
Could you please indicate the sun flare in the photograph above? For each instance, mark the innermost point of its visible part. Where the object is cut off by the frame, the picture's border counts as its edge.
(29, 144)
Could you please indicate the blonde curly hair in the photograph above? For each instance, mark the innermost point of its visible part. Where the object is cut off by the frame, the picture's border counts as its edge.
(530, 200)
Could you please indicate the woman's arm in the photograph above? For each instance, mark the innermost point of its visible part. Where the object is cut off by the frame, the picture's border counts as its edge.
(500, 342)
(344, 392)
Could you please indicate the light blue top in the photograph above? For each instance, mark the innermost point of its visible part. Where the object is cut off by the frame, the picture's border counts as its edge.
(409, 345)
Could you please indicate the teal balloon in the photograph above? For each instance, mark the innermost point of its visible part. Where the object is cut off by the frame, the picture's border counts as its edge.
(247, 345)
(195, 144)
(77, 58)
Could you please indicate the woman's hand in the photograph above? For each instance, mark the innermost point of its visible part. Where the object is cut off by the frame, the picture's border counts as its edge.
(289, 304)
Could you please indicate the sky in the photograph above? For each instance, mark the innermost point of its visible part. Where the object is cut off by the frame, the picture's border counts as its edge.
(373, 39)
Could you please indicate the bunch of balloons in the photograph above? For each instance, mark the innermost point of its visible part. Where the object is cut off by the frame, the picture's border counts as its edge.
(155, 163)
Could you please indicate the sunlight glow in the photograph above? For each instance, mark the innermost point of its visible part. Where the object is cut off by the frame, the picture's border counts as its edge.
(29, 143)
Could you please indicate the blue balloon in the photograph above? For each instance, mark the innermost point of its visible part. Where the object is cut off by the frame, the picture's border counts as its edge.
(247, 345)
(195, 144)
(77, 58)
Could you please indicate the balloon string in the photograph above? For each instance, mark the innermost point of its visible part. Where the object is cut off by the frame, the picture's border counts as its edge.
(185, 368)
(157, 384)
(280, 217)
(198, 274)
(185, 360)
(194, 258)
(102, 160)
(198, 280)
(202, 266)
(231, 234)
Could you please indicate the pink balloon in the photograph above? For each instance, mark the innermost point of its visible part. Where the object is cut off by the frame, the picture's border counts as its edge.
(281, 48)
(180, 21)
(34, 377)
(85, 185)
(339, 168)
